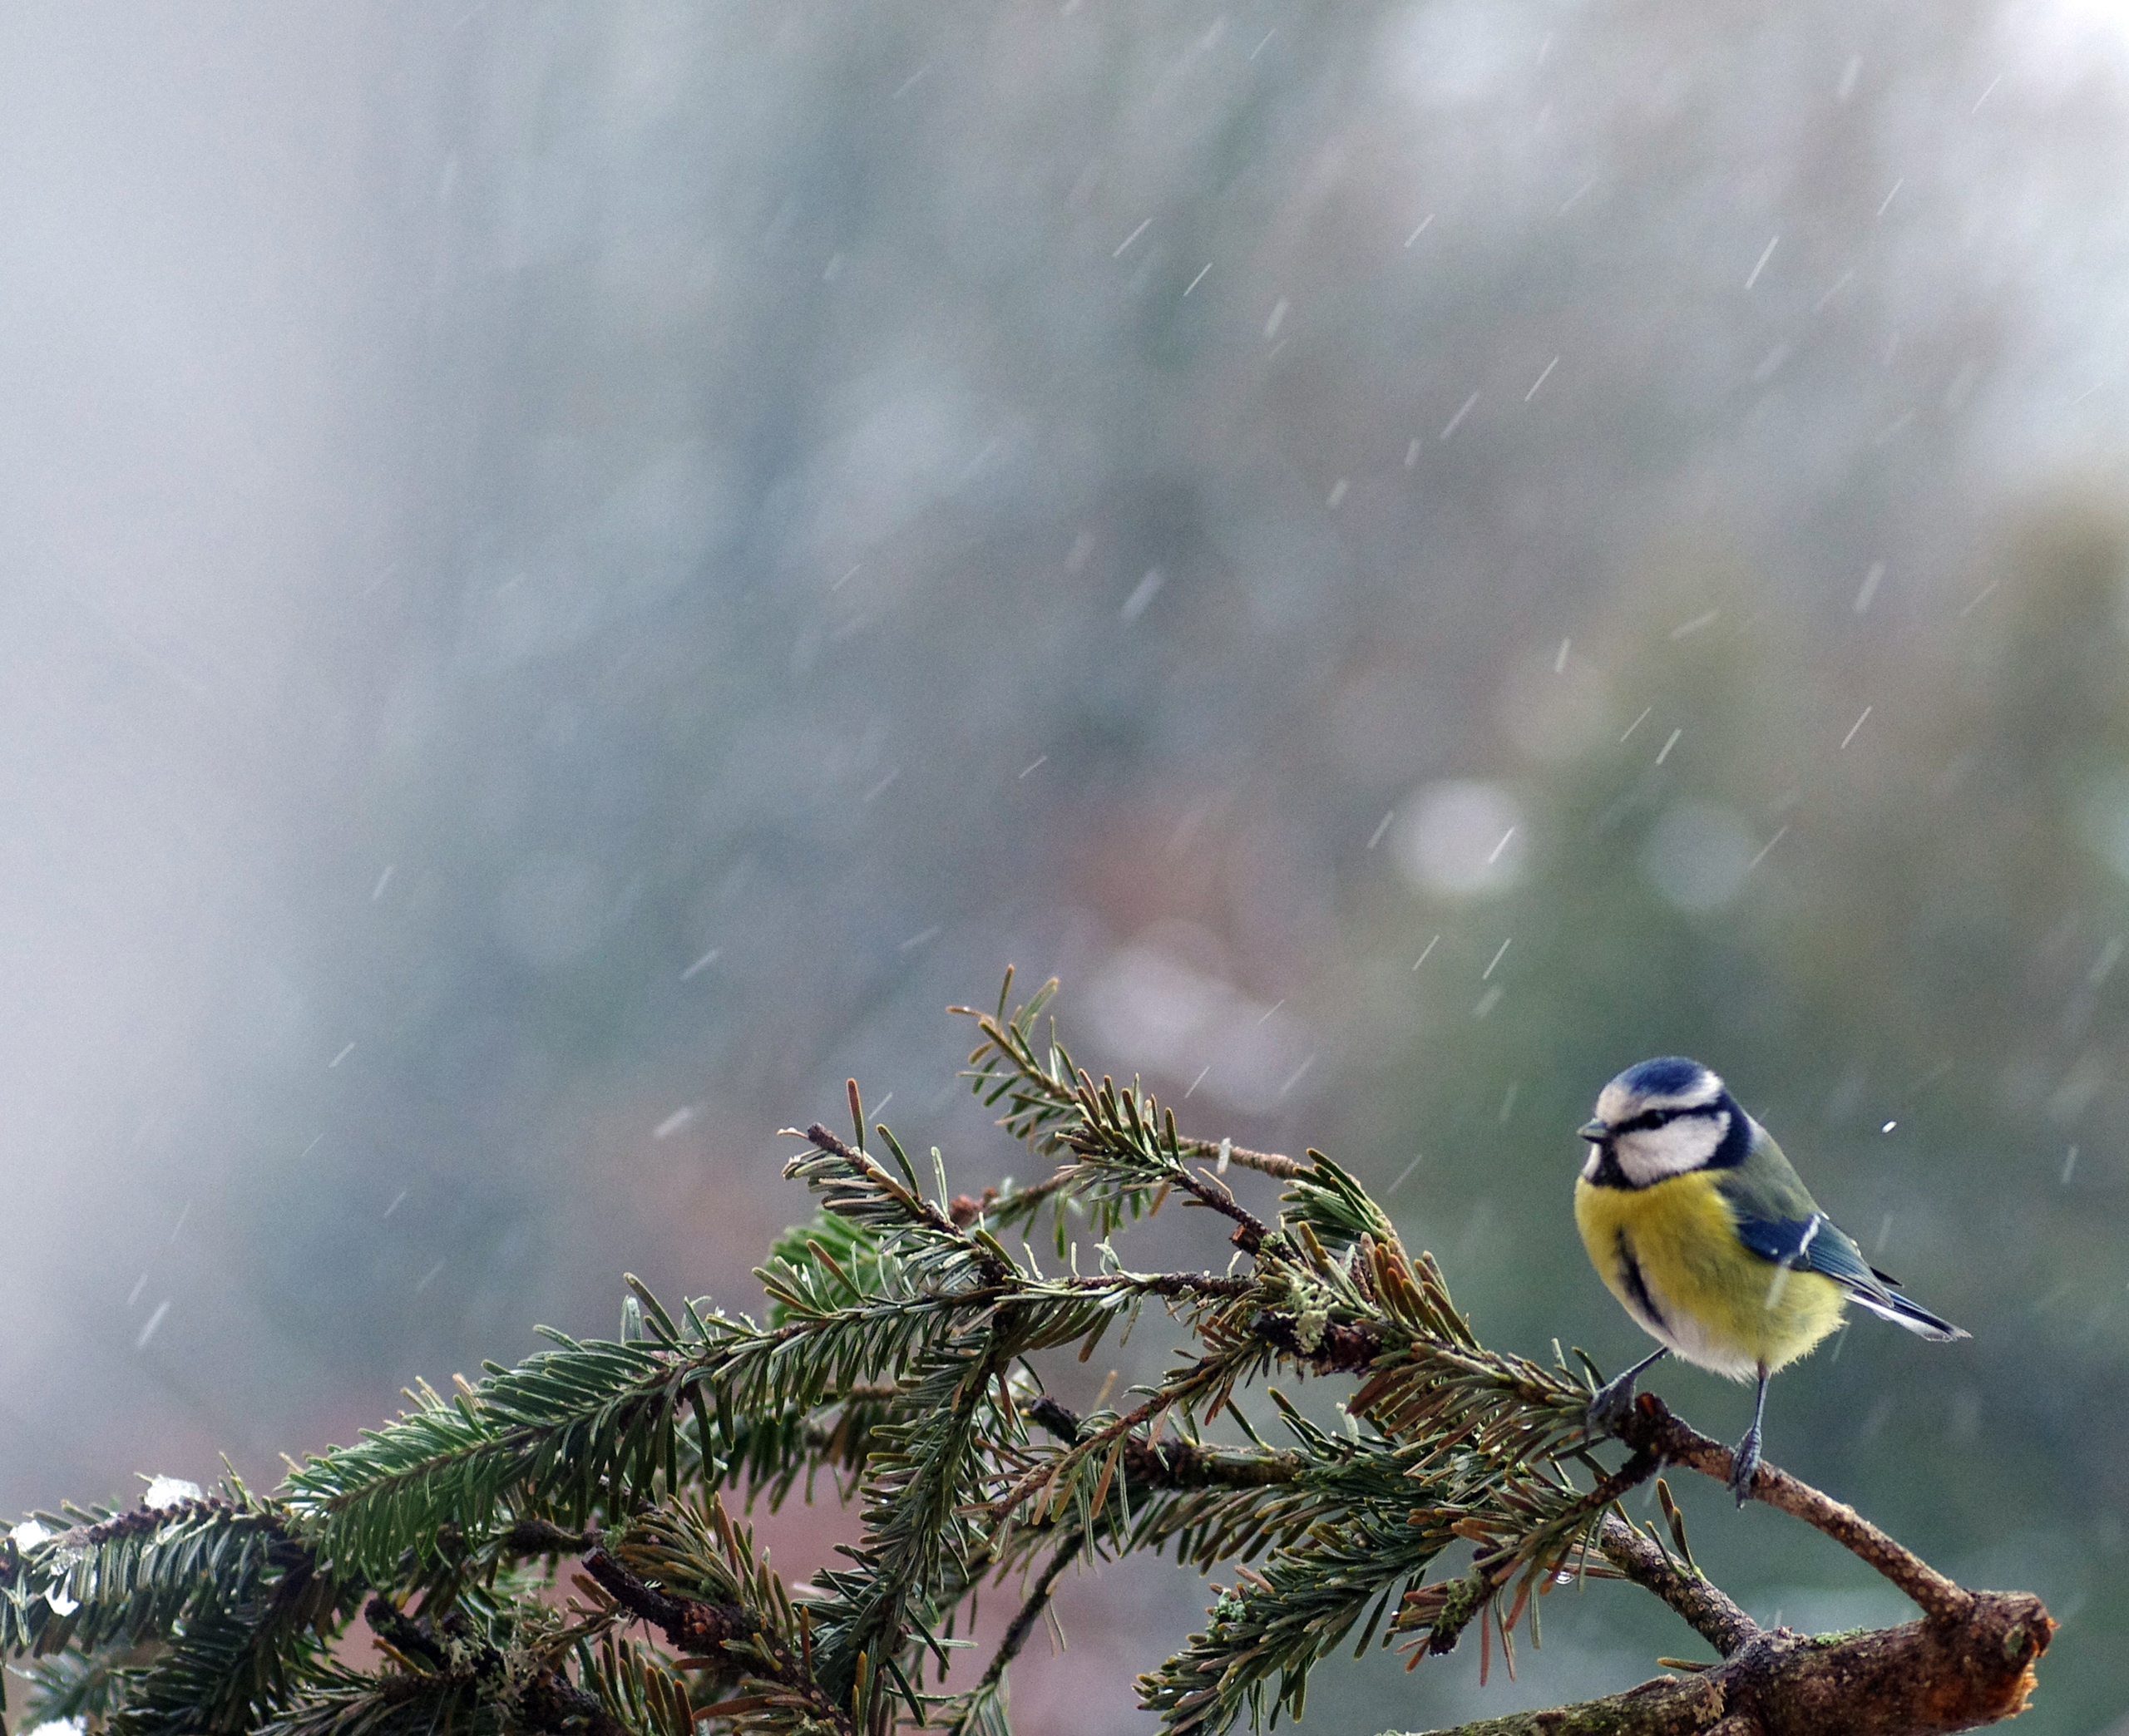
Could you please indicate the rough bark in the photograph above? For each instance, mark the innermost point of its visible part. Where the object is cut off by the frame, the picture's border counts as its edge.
(1925, 1677)
(1704, 1605)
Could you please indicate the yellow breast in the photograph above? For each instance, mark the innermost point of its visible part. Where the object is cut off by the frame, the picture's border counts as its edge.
(1670, 1253)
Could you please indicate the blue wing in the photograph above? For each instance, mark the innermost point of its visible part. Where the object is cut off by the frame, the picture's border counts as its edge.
(1816, 1244)
(1779, 1220)
(1812, 1244)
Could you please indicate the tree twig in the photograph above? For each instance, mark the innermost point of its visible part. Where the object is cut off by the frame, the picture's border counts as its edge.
(824, 1141)
(965, 1209)
(1030, 1612)
(1269, 1163)
(703, 1631)
(1207, 1189)
(1040, 1476)
(1178, 1464)
(1652, 1428)
(689, 1624)
(1706, 1608)
(1339, 1348)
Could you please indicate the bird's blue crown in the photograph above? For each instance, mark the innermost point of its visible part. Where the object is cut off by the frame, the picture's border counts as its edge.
(1666, 1076)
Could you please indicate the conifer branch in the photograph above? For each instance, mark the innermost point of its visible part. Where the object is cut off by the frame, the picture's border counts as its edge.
(994, 1265)
(451, 1667)
(896, 1354)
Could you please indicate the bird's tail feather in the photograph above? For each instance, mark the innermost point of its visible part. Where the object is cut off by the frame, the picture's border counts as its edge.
(1901, 1312)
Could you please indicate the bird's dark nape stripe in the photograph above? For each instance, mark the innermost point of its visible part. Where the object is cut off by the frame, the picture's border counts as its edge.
(1737, 1142)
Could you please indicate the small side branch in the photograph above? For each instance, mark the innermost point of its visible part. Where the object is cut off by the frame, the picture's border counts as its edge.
(537, 1537)
(1337, 1349)
(1268, 1163)
(1169, 1284)
(688, 1624)
(403, 1634)
(1030, 1612)
(1705, 1607)
(1178, 1464)
(1652, 1427)
(703, 1631)
(942, 1220)
(1039, 1476)
(965, 1209)
(1207, 1189)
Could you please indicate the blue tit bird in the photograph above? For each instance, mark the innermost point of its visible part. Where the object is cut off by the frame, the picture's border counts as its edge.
(1696, 1223)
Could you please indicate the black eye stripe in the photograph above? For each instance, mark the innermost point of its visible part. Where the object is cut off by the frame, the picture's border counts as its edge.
(1650, 1119)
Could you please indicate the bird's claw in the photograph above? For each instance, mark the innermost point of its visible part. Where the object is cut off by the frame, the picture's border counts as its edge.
(1610, 1405)
(1744, 1465)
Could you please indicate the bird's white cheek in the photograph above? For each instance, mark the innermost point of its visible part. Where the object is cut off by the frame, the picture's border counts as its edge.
(1682, 1145)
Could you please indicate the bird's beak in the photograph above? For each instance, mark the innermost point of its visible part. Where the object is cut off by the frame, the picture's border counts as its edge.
(1596, 1132)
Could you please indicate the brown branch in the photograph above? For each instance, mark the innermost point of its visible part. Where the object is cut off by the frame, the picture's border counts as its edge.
(550, 1701)
(1653, 1430)
(1652, 1427)
(933, 1217)
(1923, 1679)
(1705, 1607)
(1030, 1612)
(1039, 1476)
(689, 1624)
(702, 1631)
(1207, 1189)
(1339, 1348)
(536, 1536)
(1178, 1464)
(1166, 1284)
(966, 1210)
(1968, 1662)
(1269, 1163)
(404, 1634)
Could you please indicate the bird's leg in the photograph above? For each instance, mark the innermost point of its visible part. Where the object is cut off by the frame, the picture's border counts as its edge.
(1612, 1402)
(1746, 1460)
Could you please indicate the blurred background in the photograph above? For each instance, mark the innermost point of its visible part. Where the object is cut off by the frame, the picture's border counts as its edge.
(571, 575)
